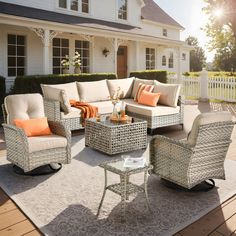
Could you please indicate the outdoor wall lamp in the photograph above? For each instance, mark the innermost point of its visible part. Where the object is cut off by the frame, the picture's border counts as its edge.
(105, 52)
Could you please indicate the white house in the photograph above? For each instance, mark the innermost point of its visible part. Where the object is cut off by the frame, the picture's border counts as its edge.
(111, 35)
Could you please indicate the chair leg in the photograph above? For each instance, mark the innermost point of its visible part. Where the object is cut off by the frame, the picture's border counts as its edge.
(42, 170)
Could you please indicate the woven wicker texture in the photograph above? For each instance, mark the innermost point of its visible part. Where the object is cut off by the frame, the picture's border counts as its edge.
(187, 165)
(117, 138)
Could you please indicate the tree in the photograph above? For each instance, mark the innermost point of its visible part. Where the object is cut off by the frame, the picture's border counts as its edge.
(197, 55)
(221, 29)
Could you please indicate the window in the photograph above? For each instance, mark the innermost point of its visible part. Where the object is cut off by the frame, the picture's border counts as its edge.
(85, 6)
(183, 56)
(163, 60)
(83, 48)
(60, 50)
(63, 3)
(122, 9)
(171, 60)
(150, 58)
(16, 54)
(164, 32)
(75, 5)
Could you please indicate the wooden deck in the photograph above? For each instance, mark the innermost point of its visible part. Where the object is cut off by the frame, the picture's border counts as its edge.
(220, 221)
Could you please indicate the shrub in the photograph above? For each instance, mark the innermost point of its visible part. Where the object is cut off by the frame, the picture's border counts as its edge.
(159, 75)
(186, 74)
(31, 84)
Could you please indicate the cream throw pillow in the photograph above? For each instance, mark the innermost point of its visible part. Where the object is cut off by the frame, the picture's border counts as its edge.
(169, 93)
(125, 85)
(136, 84)
(93, 91)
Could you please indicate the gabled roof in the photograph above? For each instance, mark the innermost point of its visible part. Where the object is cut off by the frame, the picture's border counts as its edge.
(151, 11)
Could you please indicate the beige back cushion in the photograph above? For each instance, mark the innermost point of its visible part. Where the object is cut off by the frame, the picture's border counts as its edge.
(136, 84)
(57, 94)
(169, 93)
(125, 86)
(24, 106)
(70, 89)
(204, 119)
(93, 91)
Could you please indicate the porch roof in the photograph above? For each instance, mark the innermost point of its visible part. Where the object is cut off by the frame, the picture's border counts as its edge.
(50, 16)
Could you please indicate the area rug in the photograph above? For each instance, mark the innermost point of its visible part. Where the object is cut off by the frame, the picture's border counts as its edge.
(66, 203)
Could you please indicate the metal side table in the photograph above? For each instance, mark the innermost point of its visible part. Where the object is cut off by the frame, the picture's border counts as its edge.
(125, 187)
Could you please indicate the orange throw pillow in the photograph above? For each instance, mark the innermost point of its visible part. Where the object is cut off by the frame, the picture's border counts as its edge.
(34, 127)
(148, 98)
(141, 88)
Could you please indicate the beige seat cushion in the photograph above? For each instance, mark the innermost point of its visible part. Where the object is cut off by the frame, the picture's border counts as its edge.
(134, 107)
(169, 93)
(24, 106)
(125, 86)
(93, 91)
(58, 95)
(204, 119)
(136, 84)
(41, 143)
(75, 113)
(104, 107)
(70, 89)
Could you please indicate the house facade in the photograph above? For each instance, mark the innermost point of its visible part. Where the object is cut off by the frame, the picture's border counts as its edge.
(111, 35)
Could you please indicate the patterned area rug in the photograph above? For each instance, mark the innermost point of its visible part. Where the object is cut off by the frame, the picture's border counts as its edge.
(66, 203)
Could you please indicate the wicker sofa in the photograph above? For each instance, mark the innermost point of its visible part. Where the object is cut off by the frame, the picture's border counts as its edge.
(168, 112)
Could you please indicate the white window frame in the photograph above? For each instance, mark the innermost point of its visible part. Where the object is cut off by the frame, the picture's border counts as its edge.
(117, 11)
(184, 56)
(25, 56)
(148, 67)
(74, 11)
(163, 61)
(171, 66)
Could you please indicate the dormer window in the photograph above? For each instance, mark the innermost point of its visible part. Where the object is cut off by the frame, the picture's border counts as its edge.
(122, 9)
(75, 5)
(164, 32)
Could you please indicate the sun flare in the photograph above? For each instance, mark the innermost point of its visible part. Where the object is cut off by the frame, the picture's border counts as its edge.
(218, 12)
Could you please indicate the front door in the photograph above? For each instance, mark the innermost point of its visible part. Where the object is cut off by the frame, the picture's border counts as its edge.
(122, 62)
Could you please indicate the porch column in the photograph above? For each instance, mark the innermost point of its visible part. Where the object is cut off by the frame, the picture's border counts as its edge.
(137, 53)
(46, 45)
(179, 69)
(46, 37)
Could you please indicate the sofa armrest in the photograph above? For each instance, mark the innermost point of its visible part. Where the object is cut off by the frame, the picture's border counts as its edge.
(52, 109)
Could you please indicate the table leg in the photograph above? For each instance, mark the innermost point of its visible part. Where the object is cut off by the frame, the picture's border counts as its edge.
(104, 192)
(123, 182)
(145, 190)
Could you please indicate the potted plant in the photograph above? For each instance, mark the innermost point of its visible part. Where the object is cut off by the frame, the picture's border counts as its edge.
(66, 65)
(76, 62)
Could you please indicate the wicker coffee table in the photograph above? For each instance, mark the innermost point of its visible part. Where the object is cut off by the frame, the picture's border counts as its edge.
(116, 137)
(125, 187)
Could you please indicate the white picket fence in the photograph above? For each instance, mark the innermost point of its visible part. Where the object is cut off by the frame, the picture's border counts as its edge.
(218, 88)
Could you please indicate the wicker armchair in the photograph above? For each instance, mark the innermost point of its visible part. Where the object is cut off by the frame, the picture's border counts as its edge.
(200, 157)
(29, 153)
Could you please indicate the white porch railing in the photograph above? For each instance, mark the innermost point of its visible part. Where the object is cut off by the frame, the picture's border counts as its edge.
(205, 87)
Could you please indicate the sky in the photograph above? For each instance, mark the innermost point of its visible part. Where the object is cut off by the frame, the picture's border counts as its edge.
(189, 14)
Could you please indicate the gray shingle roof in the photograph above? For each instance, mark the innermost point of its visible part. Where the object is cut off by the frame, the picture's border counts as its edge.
(151, 11)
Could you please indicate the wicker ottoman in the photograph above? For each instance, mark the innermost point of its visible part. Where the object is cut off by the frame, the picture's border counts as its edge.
(113, 138)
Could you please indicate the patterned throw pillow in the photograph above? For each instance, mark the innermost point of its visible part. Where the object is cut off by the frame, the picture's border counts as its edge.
(143, 87)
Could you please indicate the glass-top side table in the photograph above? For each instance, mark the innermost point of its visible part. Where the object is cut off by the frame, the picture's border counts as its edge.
(125, 187)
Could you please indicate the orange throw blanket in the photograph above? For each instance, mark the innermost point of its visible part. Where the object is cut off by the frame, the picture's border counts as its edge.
(87, 110)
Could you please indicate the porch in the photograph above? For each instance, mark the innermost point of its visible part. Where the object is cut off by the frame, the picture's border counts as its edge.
(220, 221)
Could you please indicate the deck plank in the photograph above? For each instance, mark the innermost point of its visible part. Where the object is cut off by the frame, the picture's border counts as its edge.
(33, 233)
(18, 229)
(9, 206)
(10, 218)
(228, 227)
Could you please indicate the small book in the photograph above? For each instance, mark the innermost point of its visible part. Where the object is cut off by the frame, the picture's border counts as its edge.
(134, 162)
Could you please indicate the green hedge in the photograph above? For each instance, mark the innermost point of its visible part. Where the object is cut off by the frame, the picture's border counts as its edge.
(31, 84)
(159, 75)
